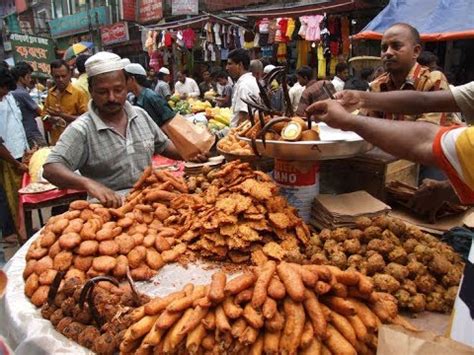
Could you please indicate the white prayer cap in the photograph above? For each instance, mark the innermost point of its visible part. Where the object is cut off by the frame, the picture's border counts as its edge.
(104, 62)
(268, 68)
(164, 71)
(135, 68)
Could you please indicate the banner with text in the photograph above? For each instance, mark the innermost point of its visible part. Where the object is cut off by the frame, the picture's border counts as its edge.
(37, 51)
(116, 33)
(150, 10)
(80, 22)
(129, 10)
(184, 7)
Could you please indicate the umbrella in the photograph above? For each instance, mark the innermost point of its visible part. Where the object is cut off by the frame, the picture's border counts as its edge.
(77, 48)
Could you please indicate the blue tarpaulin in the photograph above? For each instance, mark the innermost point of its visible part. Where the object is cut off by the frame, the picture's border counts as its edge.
(436, 20)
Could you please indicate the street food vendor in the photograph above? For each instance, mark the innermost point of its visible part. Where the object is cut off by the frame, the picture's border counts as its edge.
(112, 142)
(449, 148)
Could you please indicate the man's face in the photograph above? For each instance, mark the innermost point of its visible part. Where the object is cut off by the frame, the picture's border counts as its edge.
(109, 91)
(167, 78)
(152, 72)
(27, 81)
(399, 50)
(233, 69)
(206, 76)
(181, 77)
(222, 81)
(302, 80)
(62, 77)
(344, 75)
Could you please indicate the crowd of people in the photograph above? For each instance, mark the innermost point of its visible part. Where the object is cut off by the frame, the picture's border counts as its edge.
(104, 125)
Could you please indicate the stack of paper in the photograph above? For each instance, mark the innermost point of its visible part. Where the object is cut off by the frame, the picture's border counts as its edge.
(333, 211)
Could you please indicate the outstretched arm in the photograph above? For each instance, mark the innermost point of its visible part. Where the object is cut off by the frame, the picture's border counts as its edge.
(408, 140)
(407, 102)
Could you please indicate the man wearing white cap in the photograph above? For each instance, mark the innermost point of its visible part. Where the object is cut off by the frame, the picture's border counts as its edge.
(154, 104)
(162, 86)
(112, 142)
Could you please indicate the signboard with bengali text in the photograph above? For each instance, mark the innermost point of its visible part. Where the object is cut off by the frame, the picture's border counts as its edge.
(184, 7)
(37, 51)
(80, 22)
(150, 10)
(129, 10)
(116, 33)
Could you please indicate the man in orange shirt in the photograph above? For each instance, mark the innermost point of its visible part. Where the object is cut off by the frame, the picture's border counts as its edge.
(64, 103)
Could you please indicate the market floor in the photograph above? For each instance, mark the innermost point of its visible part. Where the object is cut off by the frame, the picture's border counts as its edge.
(7, 250)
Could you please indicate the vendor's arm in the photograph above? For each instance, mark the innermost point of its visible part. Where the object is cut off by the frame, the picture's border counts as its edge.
(61, 176)
(407, 102)
(68, 155)
(195, 90)
(408, 140)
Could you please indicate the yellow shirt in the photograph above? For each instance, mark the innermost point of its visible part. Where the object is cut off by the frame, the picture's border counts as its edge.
(82, 83)
(72, 101)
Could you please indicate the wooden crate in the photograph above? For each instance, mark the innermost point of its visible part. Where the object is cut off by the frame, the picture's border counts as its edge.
(369, 172)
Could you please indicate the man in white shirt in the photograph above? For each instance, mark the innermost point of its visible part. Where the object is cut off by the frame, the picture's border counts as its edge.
(186, 87)
(304, 76)
(238, 64)
(342, 74)
(162, 86)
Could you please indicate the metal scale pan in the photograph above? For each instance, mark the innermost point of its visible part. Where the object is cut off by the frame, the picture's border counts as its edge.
(334, 144)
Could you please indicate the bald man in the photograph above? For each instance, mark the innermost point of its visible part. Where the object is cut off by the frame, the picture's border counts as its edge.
(401, 46)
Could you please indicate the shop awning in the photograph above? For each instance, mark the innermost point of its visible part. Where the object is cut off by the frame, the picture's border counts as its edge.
(300, 8)
(436, 20)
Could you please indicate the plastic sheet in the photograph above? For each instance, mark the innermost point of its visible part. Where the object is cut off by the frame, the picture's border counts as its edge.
(28, 333)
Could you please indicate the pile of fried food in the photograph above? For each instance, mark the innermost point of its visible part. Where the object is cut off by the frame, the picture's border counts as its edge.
(90, 240)
(94, 314)
(276, 308)
(230, 144)
(238, 213)
(422, 272)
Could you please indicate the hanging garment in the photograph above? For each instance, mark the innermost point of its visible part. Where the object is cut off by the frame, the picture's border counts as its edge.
(225, 44)
(281, 52)
(313, 31)
(149, 43)
(278, 36)
(263, 41)
(230, 38)
(272, 28)
(290, 29)
(332, 66)
(303, 27)
(302, 50)
(212, 51)
(206, 53)
(224, 53)
(262, 25)
(249, 37)
(321, 62)
(189, 38)
(267, 51)
(283, 26)
(156, 60)
(345, 32)
(217, 34)
(208, 29)
(241, 36)
(168, 40)
(256, 40)
(179, 39)
(166, 57)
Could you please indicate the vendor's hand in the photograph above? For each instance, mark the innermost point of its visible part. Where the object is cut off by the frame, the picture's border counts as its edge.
(331, 112)
(351, 100)
(200, 158)
(106, 196)
(430, 198)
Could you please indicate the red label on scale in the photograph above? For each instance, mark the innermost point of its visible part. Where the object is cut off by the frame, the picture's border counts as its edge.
(291, 173)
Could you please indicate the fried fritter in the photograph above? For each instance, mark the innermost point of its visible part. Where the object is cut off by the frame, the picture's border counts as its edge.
(398, 271)
(386, 283)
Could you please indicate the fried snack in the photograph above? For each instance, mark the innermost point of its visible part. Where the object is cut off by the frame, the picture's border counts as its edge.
(344, 327)
(294, 326)
(315, 314)
(261, 285)
(216, 290)
(337, 344)
(314, 348)
(276, 289)
(249, 336)
(104, 263)
(88, 248)
(194, 339)
(271, 342)
(359, 327)
(340, 305)
(292, 281)
(240, 283)
(167, 319)
(231, 310)
(175, 334)
(253, 317)
(365, 314)
(222, 322)
(307, 336)
(269, 308)
(209, 321)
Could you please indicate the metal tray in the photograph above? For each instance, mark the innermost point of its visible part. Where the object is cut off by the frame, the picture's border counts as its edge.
(334, 144)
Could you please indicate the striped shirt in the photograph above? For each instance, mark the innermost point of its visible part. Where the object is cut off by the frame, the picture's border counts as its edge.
(104, 155)
(420, 79)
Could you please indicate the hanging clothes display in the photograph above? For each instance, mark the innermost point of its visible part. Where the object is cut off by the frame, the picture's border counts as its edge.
(249, 38)
(345, 33)
(272, 29)
(321, 62)
(290, 28)
(302, 48)
(334, 27)
(189, 38)
(217, 34)
(281, 52)
(313, 29)
(332, 66)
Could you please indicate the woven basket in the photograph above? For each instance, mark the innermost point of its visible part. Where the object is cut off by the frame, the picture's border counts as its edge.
(358, 63)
